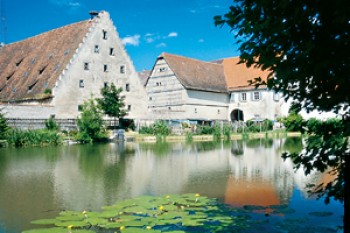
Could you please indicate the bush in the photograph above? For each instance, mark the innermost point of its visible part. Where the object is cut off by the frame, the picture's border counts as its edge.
(90, 124)
(3, 126)
(227, 131)
(25, 138)
(51, 124)
(146, 130)
(161, 128)
(294, 122)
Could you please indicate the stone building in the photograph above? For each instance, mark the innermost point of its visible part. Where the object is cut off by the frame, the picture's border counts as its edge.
(53, 73)
(181, 88)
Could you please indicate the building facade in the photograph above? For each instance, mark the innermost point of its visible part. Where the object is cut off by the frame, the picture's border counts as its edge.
(181, 88)
(53, 73)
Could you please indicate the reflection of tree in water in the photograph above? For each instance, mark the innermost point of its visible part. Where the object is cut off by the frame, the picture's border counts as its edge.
(259, 142)
(207, 146)
(237, 147)
(293, 145)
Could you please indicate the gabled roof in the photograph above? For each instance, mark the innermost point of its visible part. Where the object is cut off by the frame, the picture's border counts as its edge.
(29, 67)
(195, 74)
(238, 75)
(143, 76)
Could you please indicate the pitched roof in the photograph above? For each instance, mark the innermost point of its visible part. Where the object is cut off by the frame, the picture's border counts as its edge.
(143, 76)
(29, 67)
(196, 74)
(238, 75)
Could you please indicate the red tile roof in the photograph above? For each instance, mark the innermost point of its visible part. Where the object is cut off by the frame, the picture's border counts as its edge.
(29, 67)
(196, 74)
(238, 75)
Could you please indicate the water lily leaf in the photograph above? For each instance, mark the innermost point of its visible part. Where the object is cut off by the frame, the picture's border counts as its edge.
(139, 230)
(57, 230)
(73, 223)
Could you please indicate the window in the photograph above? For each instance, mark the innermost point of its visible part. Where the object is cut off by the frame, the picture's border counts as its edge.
(243, 96)
(81, 83)
(105, 68)
(163, 69)
(256, 95)
(195, 110)
(111, 51)
(122, 69)
(97, 49)
(104, 34)
(86, 66)
(276, 96)
(218, 111)
(105, 84)
(127, 87)
(232, 97)
(80, 108)
(129, 107)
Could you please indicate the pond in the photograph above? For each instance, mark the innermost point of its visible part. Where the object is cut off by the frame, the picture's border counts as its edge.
(251, 175)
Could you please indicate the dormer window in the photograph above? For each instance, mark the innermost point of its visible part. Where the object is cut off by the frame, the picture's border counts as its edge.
(104, 34)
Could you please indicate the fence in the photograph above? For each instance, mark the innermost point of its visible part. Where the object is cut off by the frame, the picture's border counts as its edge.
(66, 124)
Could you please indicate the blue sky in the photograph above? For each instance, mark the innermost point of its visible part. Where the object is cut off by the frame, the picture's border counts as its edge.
(147, 27)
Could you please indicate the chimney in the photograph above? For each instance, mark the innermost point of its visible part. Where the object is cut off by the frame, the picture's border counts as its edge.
(93, 14)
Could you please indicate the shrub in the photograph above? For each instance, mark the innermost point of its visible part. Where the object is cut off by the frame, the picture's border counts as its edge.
(146, 130)
(51, 124)
(3, 126)
(161, 128)
(294, 122)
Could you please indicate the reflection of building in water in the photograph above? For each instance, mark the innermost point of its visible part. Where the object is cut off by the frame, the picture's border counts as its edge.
(259, 177)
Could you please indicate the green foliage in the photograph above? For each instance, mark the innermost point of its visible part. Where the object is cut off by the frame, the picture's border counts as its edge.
(90, 124)
(51, 124)
(326, 148)
(25, 138)
(48, 91)
(294, 122)
(227, 130)
(172, 213)
(112, 103)
(205, 129)
(146, 130)
(294, 41)
(216, 132)
(3, 126)
(161, 128)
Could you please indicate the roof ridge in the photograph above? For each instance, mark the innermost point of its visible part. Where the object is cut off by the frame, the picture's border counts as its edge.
(188, 58)
(49, 31)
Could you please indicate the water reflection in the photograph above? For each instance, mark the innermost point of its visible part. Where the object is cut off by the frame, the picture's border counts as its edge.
(37, 183)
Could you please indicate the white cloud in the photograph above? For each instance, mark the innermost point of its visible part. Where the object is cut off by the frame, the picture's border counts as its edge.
(173, 34)
(131, 40)
(161, 45)
(69, 3)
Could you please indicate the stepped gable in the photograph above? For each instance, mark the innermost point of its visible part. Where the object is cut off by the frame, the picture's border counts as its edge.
(29, 67)
(238, 75)
(195, 74)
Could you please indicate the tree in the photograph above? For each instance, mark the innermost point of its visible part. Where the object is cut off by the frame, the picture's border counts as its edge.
(3, 126)
(90, 123)
(112, 103)
(305, 47)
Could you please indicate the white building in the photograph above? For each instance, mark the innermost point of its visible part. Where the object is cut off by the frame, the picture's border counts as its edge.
(55, 72)
(182, 88)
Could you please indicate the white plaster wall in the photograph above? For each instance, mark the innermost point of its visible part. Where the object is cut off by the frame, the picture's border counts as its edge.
(28, 111)
(265, 107)
(67, 93)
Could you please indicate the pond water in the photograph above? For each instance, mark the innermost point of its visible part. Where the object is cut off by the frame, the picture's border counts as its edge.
(40, 182)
